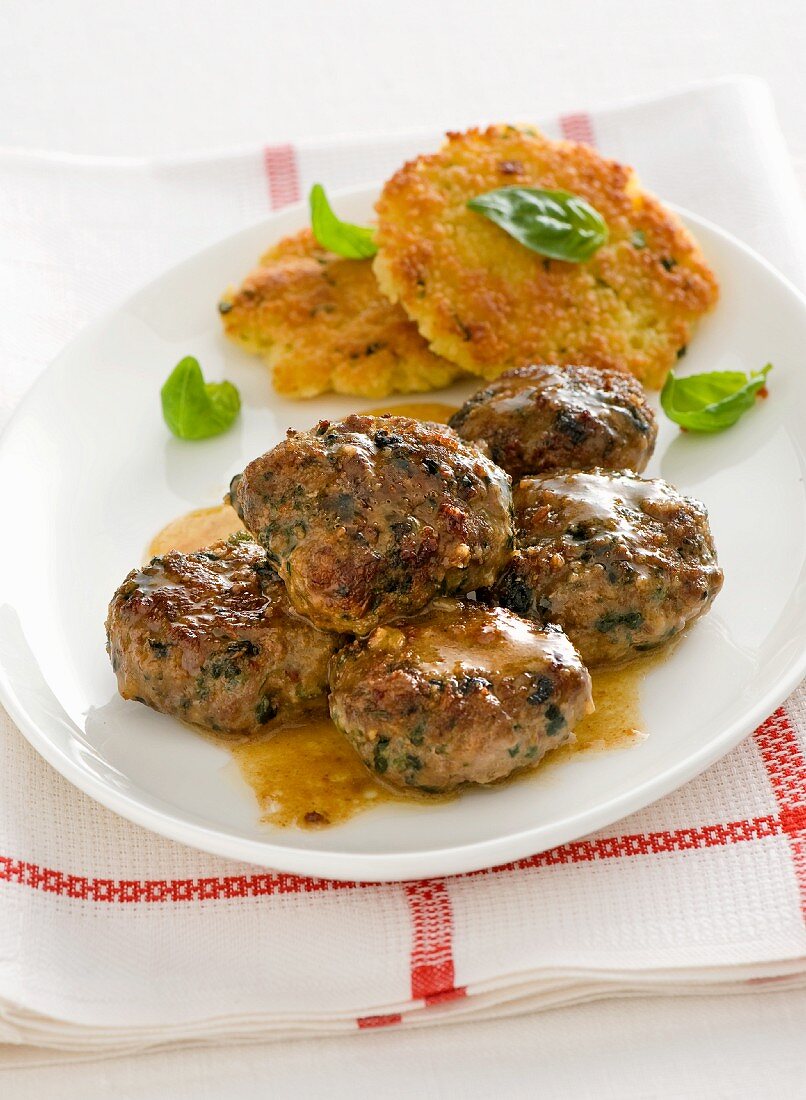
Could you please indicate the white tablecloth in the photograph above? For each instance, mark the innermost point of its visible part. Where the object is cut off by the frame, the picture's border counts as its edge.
(141, 77)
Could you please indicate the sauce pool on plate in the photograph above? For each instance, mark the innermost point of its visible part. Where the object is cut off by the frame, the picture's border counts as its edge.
(617, 721)
(196, 529)
(305, 774)
(435, 411)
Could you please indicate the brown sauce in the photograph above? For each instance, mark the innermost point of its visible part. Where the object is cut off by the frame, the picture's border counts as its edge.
(305, 774)
(435, 411)
(196, 529)
(475, 647)
(617, 720)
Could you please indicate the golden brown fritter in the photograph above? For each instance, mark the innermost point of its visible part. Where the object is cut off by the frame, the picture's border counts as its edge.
(322, 324)
(488, 303)
(370, 518)
(460, 694)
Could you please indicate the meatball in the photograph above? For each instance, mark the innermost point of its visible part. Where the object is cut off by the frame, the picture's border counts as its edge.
(460, 694)
(211, 638)
(541, 418)
(370, 518)
(621, 563)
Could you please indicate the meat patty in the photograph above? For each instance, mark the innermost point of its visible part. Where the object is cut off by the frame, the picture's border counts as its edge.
(540, 418)
(369, 519)
(211, 638)
(621, 563)
(461, 694)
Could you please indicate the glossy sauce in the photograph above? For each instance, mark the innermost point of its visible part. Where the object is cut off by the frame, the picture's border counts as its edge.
(612, 499)
(617, 720)
(305, 774)
(197, 529)
(434, 411)
(473, 644)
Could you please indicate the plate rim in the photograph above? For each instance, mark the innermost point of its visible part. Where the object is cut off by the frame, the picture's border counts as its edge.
(454, 859)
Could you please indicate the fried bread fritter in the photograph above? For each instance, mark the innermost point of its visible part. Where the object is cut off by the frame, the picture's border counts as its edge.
(211, 638)
(322, 324)
(487, 303)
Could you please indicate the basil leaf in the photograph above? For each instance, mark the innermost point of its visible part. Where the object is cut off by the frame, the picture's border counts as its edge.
(554, 223)
(354, 242)
(195, 409)
(711, 402)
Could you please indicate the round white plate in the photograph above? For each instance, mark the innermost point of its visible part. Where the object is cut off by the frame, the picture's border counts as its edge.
(90, 473)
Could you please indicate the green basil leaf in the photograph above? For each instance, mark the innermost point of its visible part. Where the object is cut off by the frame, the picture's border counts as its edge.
(354, 242)
(195, 409)
(554, 223)
(711, 402)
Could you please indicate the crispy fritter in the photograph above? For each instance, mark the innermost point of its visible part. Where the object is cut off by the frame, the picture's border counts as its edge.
(370, 518)
(322, 324)
(488, 303)
(460, 694)
(211, 638)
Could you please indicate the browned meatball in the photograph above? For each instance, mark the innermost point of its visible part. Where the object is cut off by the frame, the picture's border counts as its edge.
(621, 563)
(461, 694)
(211, 638)
(370, 518)
(541, 418)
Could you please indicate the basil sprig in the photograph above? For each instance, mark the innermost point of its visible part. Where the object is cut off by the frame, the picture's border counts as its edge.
(354, 242)
(711, 402)
(556, 224)
(195, 409)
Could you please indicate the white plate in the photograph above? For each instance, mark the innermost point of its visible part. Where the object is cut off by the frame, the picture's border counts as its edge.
(89, 473)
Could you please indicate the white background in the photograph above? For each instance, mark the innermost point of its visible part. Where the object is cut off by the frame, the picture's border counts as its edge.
(145, 77)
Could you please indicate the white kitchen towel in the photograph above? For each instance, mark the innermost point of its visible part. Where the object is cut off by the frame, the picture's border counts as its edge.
(114, 939)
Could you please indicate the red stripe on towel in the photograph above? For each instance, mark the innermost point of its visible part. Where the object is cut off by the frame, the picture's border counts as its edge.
(158, 891)
(379, 1021)
(432, 966)
(786, 769)
(224, 888)
(282, 173)
(649, 844)
(578, 127)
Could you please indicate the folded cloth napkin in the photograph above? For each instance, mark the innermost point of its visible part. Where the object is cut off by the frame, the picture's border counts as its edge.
(114, 939)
